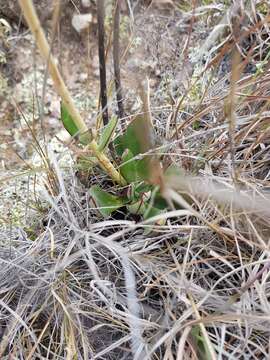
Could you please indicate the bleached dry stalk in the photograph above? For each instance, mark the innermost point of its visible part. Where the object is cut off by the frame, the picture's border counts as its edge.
(33, 22)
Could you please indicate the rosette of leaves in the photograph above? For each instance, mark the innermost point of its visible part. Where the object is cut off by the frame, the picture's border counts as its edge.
(138, 165)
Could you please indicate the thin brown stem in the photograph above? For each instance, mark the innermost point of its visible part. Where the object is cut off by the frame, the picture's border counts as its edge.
(116, 61)
(102, 60)
(59, 85)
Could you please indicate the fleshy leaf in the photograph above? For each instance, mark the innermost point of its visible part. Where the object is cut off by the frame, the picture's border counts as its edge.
(158, 207)
(137, 207)
(160, 202)
(68, 122)
(72, 128)
(145, 167)
(104, 201)
(129, 140)
(139, 138)
(107, 133)
(140, 201)
(134, 169)
(128, 168)
(142, 188)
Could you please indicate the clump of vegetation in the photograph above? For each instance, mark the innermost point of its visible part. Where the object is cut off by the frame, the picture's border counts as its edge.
(140, 171)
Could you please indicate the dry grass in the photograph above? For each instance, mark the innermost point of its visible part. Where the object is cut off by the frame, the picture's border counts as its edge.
(194, 288)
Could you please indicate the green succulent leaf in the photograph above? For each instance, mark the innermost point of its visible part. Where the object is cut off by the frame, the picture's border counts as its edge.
(104, 201)
(144, 168)
(137, 207)
(129, 166)
(133, 169)
(129, 140)
(142, 187)
(72, 128)
(68, 122)
(160, 202)
(107, 133)
(139, 138)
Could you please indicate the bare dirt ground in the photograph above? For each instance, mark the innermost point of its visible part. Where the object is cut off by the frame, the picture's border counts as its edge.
(23, 74)
(23, 95)
(155, 51)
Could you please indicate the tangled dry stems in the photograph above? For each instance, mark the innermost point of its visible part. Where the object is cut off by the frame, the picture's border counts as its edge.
(70, 290)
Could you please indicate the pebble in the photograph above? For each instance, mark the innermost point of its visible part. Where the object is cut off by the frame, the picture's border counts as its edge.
(83, 77)
(86, 3)
(81, 22)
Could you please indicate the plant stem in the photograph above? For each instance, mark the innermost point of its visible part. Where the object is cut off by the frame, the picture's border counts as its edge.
(102, 61)
(116, 61)
(42, 43)
(107, 165)
(36, 29)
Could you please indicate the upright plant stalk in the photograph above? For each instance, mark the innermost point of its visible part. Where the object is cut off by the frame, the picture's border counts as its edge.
(102, 60)
(42, 43)
(116, 60)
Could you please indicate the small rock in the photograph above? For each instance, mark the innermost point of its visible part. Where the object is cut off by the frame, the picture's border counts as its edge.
(54, 108)
(86, 3)
(83, 77)
(3, 146)
(63, 136)
(81, 22)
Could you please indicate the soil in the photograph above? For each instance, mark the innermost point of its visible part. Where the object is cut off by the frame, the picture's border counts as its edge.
(22, 74)
(157, 35)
